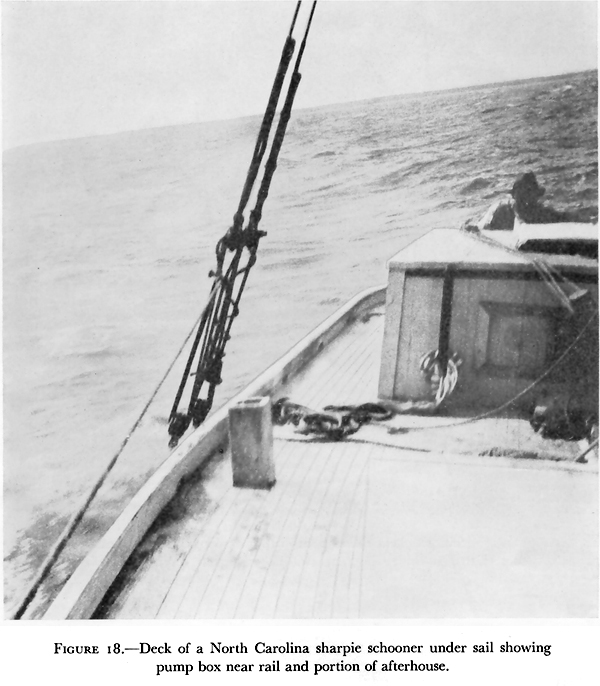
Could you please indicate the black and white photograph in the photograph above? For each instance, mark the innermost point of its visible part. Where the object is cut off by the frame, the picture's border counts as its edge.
(300, 312)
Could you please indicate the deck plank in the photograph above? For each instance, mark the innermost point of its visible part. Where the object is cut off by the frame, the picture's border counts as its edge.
(265, 533)
(379, 526)
(183, 577)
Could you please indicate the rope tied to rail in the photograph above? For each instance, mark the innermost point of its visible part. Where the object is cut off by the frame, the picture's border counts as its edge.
(236, 254)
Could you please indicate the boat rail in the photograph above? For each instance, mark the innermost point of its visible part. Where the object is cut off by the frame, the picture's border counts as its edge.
(84, 590)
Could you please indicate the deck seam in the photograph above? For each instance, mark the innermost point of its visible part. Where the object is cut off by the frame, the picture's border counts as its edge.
(354, 350)
(329, 526)
(318, 455)
(250, 500)
(316, 513)
(296, 489)
(353, 499)
(189, 558)
(288, 479)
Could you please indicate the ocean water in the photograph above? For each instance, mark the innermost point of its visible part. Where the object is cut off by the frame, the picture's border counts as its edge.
(108, 242)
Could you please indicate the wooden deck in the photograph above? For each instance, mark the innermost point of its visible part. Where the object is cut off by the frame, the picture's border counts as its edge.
(382, 525)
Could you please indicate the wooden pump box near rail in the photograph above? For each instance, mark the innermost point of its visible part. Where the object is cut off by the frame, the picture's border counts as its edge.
(493, 307)
(251, 442)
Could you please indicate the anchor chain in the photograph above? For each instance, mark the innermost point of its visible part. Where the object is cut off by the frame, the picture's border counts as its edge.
(334, 423)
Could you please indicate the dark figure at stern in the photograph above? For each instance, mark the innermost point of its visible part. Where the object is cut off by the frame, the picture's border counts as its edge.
(524, 204)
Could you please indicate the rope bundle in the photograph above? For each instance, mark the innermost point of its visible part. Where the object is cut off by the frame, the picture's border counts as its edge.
(230, 279)
(442, 381)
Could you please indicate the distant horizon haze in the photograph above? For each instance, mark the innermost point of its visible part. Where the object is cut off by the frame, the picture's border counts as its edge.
(79, 69)
(307, 108)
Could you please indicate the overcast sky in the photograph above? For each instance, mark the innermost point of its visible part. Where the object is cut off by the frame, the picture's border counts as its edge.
(74, 69)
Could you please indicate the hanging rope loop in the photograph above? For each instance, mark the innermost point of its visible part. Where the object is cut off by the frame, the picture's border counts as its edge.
(441, 377)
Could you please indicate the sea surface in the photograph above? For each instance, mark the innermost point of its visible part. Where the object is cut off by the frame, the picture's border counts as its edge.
(108, 242)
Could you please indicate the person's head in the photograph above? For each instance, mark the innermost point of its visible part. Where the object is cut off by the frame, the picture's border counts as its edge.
(526, 191)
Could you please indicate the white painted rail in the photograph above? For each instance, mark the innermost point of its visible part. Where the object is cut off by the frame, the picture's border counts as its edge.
(85, 589)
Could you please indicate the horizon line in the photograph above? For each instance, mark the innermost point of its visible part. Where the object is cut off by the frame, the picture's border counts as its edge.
(301, 109)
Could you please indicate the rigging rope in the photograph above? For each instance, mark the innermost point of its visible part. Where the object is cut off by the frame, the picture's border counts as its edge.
(215, 327)
(236, 238)
(583, 454)
(549, 274)
(580, 458)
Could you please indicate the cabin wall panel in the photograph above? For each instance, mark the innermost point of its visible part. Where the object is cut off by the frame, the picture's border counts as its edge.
(484, 310)
(471, 336)
(419, 333)
(464, 325)
(391, 334)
